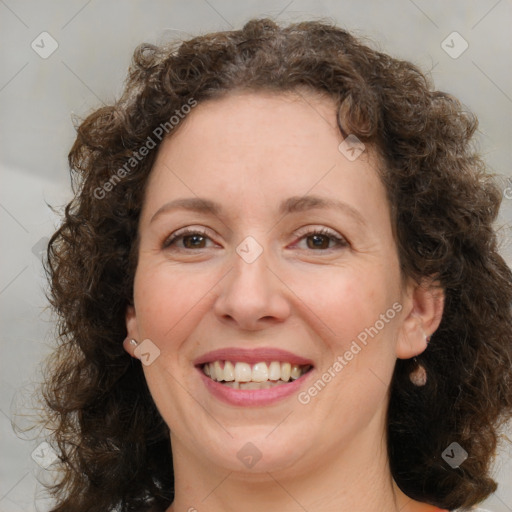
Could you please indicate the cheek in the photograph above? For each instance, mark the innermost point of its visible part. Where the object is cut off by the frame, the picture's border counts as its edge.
(168, 301)
(347, 300)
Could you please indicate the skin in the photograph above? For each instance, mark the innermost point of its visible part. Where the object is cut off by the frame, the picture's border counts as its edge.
(249, 152)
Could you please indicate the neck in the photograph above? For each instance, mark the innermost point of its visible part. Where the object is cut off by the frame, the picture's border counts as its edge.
(355, 477)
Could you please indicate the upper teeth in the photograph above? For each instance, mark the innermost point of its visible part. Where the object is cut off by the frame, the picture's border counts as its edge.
(259, 372)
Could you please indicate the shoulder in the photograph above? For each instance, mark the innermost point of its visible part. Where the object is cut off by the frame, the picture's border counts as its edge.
(472, 510)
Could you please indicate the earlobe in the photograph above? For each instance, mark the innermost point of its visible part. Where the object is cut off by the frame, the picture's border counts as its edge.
(130, 344)
(422, 317)
(132, 337)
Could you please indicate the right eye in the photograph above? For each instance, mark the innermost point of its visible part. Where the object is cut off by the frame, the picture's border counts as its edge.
(187, 239)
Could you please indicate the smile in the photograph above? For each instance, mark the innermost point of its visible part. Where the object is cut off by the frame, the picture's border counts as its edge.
(261, 375)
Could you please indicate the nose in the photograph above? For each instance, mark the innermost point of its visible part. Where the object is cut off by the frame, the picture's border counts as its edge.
(252, 296)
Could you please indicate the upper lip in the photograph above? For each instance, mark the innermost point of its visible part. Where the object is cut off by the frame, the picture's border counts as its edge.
(251, 356)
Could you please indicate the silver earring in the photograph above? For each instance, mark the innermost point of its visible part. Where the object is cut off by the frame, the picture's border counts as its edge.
(133, 343)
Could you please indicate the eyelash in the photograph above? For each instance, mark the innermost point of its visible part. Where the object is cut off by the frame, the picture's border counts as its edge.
(180, 234)
(340, 241)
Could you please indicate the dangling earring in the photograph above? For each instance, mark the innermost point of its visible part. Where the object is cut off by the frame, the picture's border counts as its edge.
(419, 375)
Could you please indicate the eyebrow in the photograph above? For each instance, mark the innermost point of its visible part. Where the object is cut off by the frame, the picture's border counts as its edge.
(293, 204)
(305, 203)
(194, 204)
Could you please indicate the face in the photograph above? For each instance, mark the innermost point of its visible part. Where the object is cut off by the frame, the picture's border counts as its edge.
(288, 258)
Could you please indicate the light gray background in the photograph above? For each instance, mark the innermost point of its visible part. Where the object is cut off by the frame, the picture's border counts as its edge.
(96, 39)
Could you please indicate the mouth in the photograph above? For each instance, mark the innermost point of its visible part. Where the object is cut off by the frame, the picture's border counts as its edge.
(253, 377)
(261, 375)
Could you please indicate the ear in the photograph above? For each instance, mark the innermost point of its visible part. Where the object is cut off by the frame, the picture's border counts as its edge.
(423, 310)
(132, 330)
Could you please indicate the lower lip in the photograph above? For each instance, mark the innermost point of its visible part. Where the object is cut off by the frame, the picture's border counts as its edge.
(253, 397)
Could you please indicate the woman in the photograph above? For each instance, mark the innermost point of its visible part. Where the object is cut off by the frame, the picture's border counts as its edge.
(293, 237)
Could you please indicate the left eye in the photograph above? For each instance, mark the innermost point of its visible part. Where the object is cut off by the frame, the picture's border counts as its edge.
(322, 239)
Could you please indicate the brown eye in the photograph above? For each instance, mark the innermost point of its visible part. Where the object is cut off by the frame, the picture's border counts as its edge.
(194, 241)
(321, 239)
(186, 239)
(318, 241)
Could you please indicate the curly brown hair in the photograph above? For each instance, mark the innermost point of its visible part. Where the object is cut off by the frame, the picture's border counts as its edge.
(114, 445)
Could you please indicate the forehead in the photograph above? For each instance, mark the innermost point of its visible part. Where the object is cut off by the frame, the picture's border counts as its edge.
(260, 147)
(246, 119)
